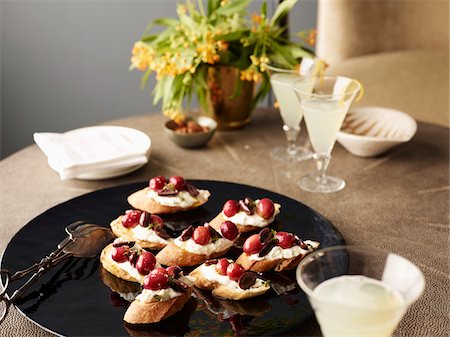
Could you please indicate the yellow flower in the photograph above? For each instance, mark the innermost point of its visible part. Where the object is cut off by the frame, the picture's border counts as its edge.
(311, 38)
(142, 55)
(256, 18)
(174, 114)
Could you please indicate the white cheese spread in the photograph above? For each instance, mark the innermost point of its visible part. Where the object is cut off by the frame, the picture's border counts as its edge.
(210, 273)
(147, 234)
(241, 218)
(210, 248)
(182, 199)
(149, 295)
(168, 293)
(278, 253)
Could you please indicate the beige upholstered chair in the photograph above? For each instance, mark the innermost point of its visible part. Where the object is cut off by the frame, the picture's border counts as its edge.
(399, 50)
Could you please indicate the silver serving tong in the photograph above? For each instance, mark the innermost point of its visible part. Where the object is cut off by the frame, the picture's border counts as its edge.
(83, 240)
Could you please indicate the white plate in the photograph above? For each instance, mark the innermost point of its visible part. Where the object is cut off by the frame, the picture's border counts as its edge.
(108, 174)
(130, 142)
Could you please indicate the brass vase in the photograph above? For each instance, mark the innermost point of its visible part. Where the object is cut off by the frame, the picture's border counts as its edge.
(229, 98)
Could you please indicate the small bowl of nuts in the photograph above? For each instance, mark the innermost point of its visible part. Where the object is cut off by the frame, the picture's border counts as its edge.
(195, 131)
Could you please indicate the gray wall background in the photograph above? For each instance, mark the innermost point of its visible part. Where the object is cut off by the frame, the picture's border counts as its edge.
(64, 63)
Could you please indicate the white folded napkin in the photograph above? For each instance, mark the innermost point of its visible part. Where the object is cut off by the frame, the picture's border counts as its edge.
(93, 150)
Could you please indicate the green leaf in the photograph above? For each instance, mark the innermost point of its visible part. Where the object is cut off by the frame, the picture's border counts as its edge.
(264, 8)
(166, 22)
(144, 78)
(234, 36)
(299, 52)
(233, 7)
(213, 5)
(282, 10)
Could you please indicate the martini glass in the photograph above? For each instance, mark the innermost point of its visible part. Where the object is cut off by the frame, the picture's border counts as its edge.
(324, 108)
(281, 81)
(359, 291)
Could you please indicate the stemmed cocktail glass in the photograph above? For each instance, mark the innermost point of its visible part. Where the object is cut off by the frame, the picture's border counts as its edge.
(358, 291)
(291, 112)
(324, 108)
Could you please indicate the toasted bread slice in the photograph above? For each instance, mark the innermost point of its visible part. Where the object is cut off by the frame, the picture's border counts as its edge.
(173, 255)
(114, 268)
(152, 312)
(128, 235)
(139, 200)
(222, 291)
(277, 265)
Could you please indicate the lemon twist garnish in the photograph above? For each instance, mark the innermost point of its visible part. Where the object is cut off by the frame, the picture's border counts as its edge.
(349, 89)
(361, 91)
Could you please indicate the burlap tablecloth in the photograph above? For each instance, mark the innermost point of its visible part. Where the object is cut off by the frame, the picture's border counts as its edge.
(398, 201)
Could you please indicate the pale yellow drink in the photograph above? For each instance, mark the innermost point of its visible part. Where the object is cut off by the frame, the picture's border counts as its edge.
(323, 120)
(356, 305)
(290, 109)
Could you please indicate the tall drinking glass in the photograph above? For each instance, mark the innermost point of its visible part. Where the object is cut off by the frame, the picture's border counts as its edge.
(357, 291)
(281, 81)
(324, 108)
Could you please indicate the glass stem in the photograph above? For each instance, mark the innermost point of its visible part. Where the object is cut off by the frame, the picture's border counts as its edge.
(291, 136)
(322, 161)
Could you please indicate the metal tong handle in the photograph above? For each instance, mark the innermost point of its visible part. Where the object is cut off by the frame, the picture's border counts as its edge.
(38, 268)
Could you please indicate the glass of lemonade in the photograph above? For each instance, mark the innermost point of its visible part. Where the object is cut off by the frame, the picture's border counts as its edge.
(281, 81)
(358, 291)
(324, 107)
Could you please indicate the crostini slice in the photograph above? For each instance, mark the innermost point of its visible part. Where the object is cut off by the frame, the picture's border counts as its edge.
(248, 215)
(146, 229)
(196, 245)
(165, 293)
(164, 196)
(127, 260)
(228, 280)
(271, 250)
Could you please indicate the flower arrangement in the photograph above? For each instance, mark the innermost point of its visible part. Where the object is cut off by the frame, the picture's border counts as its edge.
(219, 32)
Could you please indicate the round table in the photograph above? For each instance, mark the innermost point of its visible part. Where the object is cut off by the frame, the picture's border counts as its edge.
(398, 201)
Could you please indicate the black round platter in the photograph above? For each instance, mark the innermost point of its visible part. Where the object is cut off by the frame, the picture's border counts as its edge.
(74, 299)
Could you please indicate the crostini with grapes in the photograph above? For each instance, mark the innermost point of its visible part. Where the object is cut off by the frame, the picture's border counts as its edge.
(248, 215)
(228, 280)
(196, 245)
(127, 260)
(146, 229)
(271, 250)
(166, 291)
(165, 196)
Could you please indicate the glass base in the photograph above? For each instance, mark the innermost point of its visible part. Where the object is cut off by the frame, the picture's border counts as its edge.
(282, 154)
(328, 184)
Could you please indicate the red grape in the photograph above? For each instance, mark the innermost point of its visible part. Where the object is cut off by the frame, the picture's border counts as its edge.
(156, 281)
(229, 230)
(131, 218)
(145, 263)
(234, 271)
(265, 208)
(155, 219)
(178, 182)
(231, 207)
(252, 245)
(159, 270)
(285, 239)
(157, 183)
(221, 266)
(120, 254)
(201, 235)
(174, 271)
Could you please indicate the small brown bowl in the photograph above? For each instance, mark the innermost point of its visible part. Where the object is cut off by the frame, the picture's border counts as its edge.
(191, 140)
